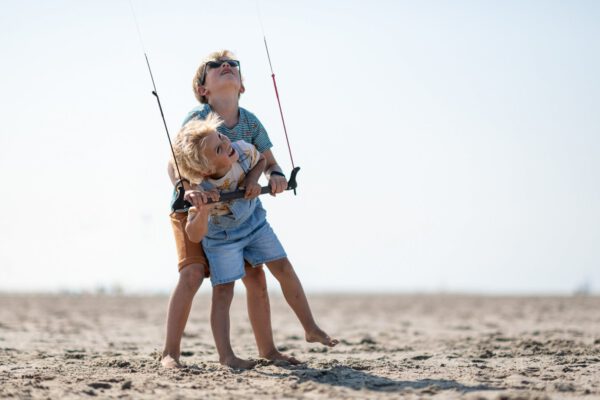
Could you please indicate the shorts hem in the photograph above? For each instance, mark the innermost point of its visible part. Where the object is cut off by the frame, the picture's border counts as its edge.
(266, 260)
(227, 280)
(194, 260)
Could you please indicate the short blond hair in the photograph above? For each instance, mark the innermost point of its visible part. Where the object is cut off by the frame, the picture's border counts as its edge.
(189, 146)
(196, 82)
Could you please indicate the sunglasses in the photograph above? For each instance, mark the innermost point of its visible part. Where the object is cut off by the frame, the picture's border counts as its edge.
(217, 64)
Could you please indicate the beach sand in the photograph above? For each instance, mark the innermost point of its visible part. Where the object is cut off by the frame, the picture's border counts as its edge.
(396, 346)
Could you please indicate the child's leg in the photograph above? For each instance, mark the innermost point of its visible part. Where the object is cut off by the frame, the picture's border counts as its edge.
(219, 321)
(293, 292)
(259, 312)
(190, 279)
(192, 267)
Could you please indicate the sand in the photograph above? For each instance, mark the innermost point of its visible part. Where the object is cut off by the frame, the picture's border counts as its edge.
(421, 346)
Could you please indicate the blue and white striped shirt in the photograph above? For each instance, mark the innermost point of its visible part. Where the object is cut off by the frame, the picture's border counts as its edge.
(248, 128)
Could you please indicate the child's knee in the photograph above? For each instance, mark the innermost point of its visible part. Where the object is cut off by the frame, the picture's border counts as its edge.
(255, 279)
(281, 268)
(257, 289)
(192, 276)
(223, 292)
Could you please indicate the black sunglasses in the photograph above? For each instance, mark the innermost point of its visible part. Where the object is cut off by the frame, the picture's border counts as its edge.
(217, 64)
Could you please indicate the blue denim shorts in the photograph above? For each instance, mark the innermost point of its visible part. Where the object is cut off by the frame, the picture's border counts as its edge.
(257, 244)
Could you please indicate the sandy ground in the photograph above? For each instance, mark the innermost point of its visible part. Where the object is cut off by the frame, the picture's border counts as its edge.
(440, 347)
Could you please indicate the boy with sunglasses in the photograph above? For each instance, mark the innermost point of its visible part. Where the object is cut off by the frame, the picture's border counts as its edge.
(234, 231)
(217, 85)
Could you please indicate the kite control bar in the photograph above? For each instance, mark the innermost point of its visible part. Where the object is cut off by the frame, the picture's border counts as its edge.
(180, 205)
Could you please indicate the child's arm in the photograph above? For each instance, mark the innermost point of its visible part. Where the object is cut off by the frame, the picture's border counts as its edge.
(175, 178)
(197, 222)
(273, 172)
(251, 180)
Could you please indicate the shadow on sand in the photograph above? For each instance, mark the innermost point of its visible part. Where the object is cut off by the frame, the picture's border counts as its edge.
(351, 378)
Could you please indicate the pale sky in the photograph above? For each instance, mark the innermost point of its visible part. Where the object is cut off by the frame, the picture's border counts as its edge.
(444, 146)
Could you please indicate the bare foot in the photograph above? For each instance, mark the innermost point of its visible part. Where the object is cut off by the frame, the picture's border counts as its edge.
(238, 363)
(317, 335)
(169, 362)
(275, 356)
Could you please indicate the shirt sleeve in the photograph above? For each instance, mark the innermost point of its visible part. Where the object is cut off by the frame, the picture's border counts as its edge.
(260, 137)
(196, 113)
(250, 151)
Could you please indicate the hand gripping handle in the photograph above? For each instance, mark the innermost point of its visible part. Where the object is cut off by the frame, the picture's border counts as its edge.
(180, 205)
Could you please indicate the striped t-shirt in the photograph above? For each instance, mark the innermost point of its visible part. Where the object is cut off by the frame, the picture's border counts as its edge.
(248, 128)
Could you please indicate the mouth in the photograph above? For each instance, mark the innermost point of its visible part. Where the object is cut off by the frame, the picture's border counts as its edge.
(227, 71)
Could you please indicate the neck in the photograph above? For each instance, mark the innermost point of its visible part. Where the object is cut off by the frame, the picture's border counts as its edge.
(219, 174)
(228, 109)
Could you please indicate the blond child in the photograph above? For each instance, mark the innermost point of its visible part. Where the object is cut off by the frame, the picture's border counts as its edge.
(234, 231)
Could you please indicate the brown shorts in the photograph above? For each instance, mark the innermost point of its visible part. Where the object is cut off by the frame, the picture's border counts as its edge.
(187, 251)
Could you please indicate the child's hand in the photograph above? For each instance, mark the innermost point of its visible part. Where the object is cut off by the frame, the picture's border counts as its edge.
(252, 191)
(277, 183)
(199, 198)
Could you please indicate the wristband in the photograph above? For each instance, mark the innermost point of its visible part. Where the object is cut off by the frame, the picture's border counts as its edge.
(277, 173)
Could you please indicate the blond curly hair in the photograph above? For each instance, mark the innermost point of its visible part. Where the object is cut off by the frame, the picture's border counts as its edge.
(189, 145)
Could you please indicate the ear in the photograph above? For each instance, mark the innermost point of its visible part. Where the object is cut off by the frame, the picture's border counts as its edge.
(242, 89)
(202, 90)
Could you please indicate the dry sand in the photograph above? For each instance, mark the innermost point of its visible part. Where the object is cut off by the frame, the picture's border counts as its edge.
(440, 347)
